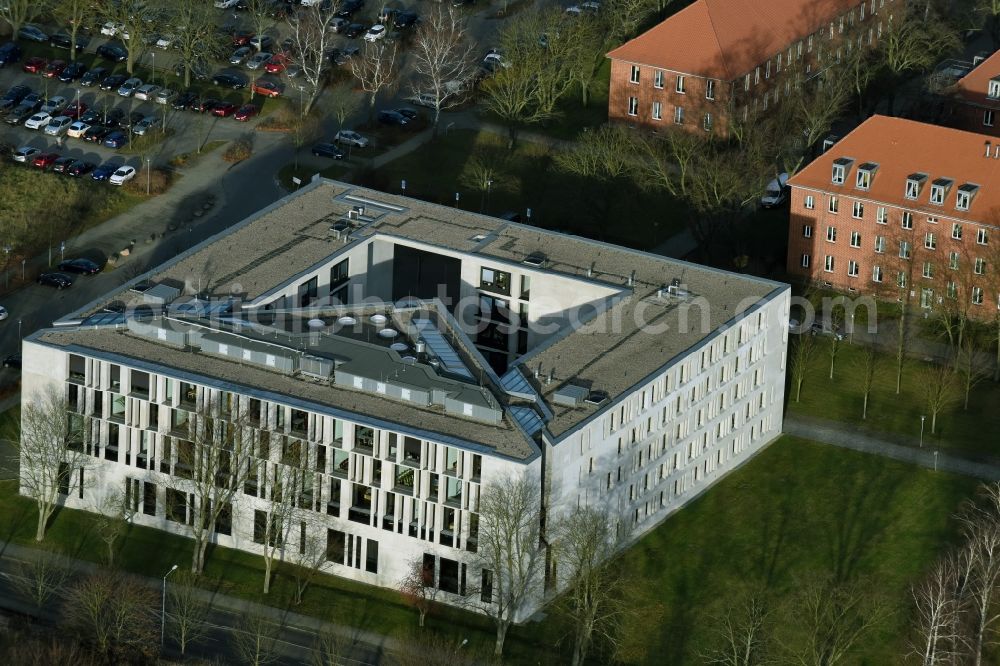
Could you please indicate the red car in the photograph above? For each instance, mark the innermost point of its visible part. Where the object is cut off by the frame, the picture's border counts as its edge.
(74, 110)
(45, 160)
(35, 65)
(277, 63)
(267, 88)
(246, 112)
(224, 109)
(55, 68)
(242, 37)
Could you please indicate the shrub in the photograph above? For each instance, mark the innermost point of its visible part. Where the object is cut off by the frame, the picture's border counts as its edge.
(239, 150)
(158, 181)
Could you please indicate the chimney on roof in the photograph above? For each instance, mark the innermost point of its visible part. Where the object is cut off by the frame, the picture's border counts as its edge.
(548, 380)
(631, 279)
(590, 271)
(538, 371)
(987, 142)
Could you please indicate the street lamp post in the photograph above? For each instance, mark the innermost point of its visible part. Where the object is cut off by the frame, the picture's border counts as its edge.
(163, 606)
(18, 329)
(62, 251)
(78, 114)
(149, 166)
(402, 184)
(23, 262)
(922, 419)
(935, 460)
(852, 329)
(152, 66)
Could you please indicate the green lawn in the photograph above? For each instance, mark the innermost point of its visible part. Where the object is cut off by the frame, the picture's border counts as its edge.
(526, 178)
(972, 432)
(796, 511)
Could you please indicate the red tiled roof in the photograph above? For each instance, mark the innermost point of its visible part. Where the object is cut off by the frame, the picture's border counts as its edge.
(725, 39)
(903, 147)
(974, 85)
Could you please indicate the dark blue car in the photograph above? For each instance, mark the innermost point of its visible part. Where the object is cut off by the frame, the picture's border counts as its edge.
(104, 171)
(116, 140)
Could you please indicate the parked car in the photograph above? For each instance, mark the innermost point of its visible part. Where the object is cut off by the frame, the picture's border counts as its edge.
(389, 117)
(240, 55)
(58, 125)
(35, 65)
(72, 72)
(375, 33)
(75, 110)
(57, 280)
(12, 361)
(260, 42)
(355, 30)
(145, 125)
(245, 112)
(114, 118)
(350, 138)
(776, 192)
(338, 24)
(411, 114)
(111, 29)
(102, 172)
(32, 33)
(54, 69)
(165, 96)
(116, 140)
(96, 133)
(123, 174)
(93, 76)
(25, 154)
(77, 129)
(146, 92)
(406, 20)
(234, 81)
(205, 105)
(20, 114)
(224, 109)
(349, 7)
(113, 82)
(242, 37)
(185, 100)
(13, 97)
(258, 60)
(90, 116)
(44, 160)
(62, 164)
(225, 4)
(277, 63)
(9, 52)
(80, 168)
(62, 40)
(37, 121)
(164, 41)
(128, 88)
(115, 52)
(54, 104)
(80, 266)
(327, 150)
(267, 88)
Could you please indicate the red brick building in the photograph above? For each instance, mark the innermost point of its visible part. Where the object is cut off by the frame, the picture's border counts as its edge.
(975, 99)
(716, 59)
(902, 209)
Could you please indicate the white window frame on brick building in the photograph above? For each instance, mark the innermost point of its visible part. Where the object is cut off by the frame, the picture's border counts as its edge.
(831, 234)
(907, 219)
(634, 74)
(980, 267)
(930, 241)
(953, 259)
(810, 202)
(633, 106)
(804, 262)
(993, 88)
(956, 231)
(658, 77)
(858, 211)
(657, 111)
(881, 215)
(915, 183)
(710, 89)
(879, 244)
(852, 268)
(876, 273)
(834, 205)
(855, 239)
(679, 85)
(865, 175)
(977, 295)
(828, 263)
(964, 196)
(807, 231)
(939, 190)
(982, 237)
(678, 115)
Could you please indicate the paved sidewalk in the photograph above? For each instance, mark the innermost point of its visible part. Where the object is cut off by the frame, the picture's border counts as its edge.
(843, 435)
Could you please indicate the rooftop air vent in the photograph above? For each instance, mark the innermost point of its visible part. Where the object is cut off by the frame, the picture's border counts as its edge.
(340, 229)
(356, 212)
(570, 395)
(597, 397)
(535, 260)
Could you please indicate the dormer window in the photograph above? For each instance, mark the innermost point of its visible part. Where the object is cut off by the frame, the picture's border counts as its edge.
(963, 198)
(840, 168)
(939, 190)
(915, 183)
(865, 174)
(993, 91)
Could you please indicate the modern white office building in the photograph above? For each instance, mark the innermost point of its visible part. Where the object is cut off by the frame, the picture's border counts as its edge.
(401, 355)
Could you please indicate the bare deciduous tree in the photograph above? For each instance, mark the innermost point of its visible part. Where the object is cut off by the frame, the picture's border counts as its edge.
(418, 588)
(801, 352)
(940, 390)
(442, 59)
(311, 38)
(868, 364)
(141, 19)
(115, 613)
(329, 649)
(193, 26)
(937, 610)
(50, 448)
(486, 167)
(255, 639)
(18, 12)
(594, 601)
(434, 650)
(308, 558)
(284, 490)
(342, 102)
(741, 632)
(509, 510)
(912, 44)
(186, 610)
(73, 14)
(42, 578)
(376, 70)
(111, 520)
(981, 527)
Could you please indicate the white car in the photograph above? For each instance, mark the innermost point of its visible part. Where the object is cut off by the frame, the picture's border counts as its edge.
(128, 88)
(589, 7)
(123, 174)
(225, 4)
(146, 92)
(258, 60)
(77, 129)
(424, 99)
(165, 96)
(25, 153)
(110, 29)
(375, 33)
(58, 125)
(350, 138)
(37, 121)
(54, 105)
(164, 41)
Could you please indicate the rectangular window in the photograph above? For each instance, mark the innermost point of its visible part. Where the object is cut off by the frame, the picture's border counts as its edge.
(981, 237)
(880, 215)
(859, 210)
(876, 274)
(956, 231)
(907, 220)
(805, 261)
(901, 280)
(838, 175)
(928, 271)
(951, 290)
(963, 198)
(953, 261)
(834, 205)
(486, 587)
(679, 115)
(937, 194)
(864, 179)
(706, 122)
(657, 111)
(680, 84)
(913, 184)
(930, 241)
(831, 234)
(149, 498)
(904, 250)
(335, 545)
(633, 106)
(493, 280)
(879, 244)
(339, 274)
(807, 231)
(371, 556)
(993, 89)
(977, 295)
(810, 202)
(852, 268)
(980, 267)
(828, 265)
(710, 89)
(855, 239)
(988, 118)
(634, 76)
(657, 78)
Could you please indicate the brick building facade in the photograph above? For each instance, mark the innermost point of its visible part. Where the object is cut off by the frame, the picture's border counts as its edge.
(719, 59)
(902, 209)
(974, 101)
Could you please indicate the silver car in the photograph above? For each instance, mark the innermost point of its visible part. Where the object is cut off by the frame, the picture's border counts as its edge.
(258, 60)
(240, 54)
